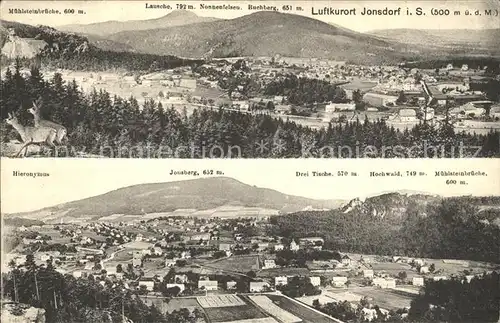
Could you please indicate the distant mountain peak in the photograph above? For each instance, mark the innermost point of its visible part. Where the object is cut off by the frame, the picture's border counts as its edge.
(180, 13)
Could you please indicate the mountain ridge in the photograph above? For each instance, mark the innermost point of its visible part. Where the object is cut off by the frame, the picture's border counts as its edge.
(259, 34)
(200, 194)
(172, 19)
(224, 193)
(471, 38)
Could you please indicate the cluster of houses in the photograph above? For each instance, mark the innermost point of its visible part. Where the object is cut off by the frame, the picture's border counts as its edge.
(149, 242)
(380, 88)
(387, 83)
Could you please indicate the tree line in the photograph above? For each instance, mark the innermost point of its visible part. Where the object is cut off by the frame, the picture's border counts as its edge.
(98, 119)
(103, 60)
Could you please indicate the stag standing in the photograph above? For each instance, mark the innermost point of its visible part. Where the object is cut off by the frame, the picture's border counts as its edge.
(32, 135)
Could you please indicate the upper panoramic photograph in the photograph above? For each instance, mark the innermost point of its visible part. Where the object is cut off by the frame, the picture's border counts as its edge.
(349, 79)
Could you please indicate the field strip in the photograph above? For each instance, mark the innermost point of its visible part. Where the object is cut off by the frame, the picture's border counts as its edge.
(266, 304)
(313, 309)
(262, 320)
(343, 296)
(220, 301)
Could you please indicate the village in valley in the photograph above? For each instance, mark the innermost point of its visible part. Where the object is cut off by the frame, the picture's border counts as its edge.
(404, 95)
(224, 268)
(400, 95)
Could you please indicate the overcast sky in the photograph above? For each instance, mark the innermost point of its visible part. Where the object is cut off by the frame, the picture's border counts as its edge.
(73, 179)
(98, 11)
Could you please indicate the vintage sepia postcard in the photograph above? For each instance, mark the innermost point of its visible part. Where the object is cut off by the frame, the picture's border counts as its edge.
(254, 79)
(250, 161)
(250, 241)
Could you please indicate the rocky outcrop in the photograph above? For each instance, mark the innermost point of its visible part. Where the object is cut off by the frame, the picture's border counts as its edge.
(22, 313)
(23, 48)
(392, 206)
(17, 47)
(351, 205)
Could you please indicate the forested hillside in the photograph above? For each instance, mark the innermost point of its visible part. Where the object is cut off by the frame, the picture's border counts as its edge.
(264, 33)
(448, 228)
(112, 126)
(76, 52)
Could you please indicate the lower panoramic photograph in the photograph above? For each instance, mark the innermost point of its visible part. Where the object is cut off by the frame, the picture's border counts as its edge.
(213, 249)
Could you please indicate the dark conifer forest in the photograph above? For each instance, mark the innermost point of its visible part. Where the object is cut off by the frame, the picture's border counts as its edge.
(99, 123)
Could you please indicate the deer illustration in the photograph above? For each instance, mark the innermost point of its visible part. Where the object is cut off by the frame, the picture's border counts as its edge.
(39, 122)
(32, 135)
